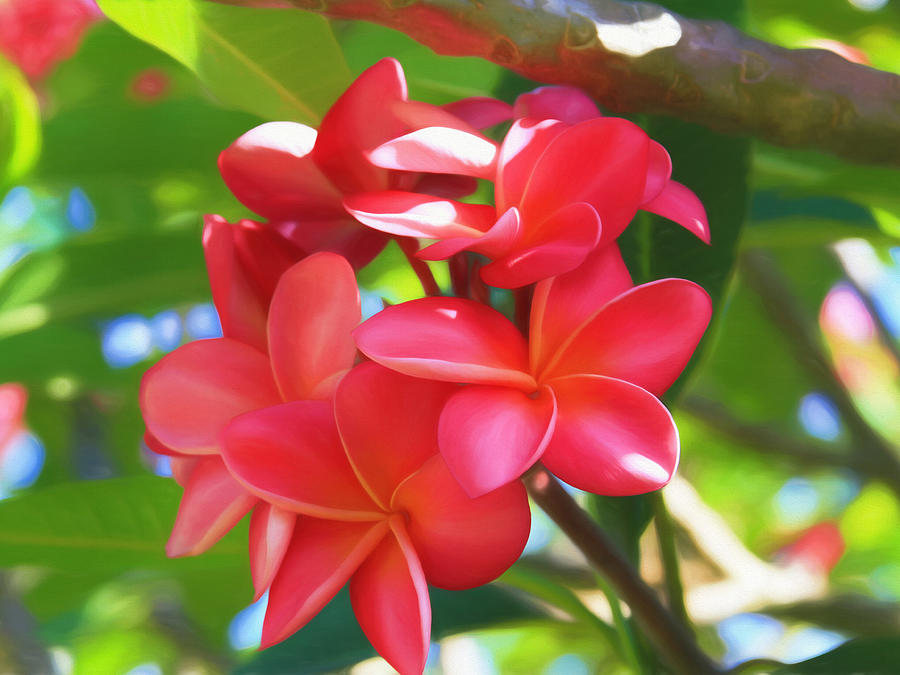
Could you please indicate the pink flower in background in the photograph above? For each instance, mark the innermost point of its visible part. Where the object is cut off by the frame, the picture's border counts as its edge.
(562, 188)
(38, 34)
(819, 547)
(12, 413)
(297, 177)
(378, 508)
(581, 394)
(195, 391)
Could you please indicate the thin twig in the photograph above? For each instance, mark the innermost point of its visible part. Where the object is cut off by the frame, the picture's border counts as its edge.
(459, 274)
(641, 57)
(676, 646)
(665, 536)
(409, 247)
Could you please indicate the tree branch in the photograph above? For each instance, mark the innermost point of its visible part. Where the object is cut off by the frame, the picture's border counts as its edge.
(676, 645)
(640, 57)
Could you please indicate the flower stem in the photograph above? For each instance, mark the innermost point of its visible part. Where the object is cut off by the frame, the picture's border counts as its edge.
(675, 644)
(459, 274)
(665, 535)
(409, 246)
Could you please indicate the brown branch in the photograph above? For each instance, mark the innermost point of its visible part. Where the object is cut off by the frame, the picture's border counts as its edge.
(676, 646)
(640, 57)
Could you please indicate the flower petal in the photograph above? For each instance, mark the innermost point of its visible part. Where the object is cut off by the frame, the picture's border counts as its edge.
(410, 214)
(321, 558)
(561, 243)
(361, 119)
(611, 178)
(264, 449)
(213, 503)
(390, 600)
(449, 339)
(645, 336)
(490, 435)
(563, 103)
(183, 466)
(462, 542)
(388, 423)
(314, 310)
(612, 437)
(271, 529)
(561, 304)
(524, 143)
(193, 392)
(269, 169)
(339, 234)
(659, 171)
(480, 112)
(438, 150)
(678, 203)
(502, 236)
(245, 261)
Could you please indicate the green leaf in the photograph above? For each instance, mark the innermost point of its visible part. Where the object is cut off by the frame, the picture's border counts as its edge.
(279, 64)
(110, 525)
(20, 124)
(868, 656)
(98, 275)
(624, 519)
(333, 640)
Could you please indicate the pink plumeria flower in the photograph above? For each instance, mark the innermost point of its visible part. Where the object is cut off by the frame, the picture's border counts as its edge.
(12, 413)
(376, 506)
(297, 177)
(562, 188)
(581, 394)
(189, 397)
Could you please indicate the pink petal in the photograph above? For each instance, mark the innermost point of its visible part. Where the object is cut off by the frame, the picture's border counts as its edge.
(390, 600)
(361, 119)
(12, 410)
(678, 203)
(321, 558)
(561, 304)
(291, 455)
(490, 435)
(645, 336)
(462, 542)
(154, 445)
(193, 392)
(213, 503)
(612, 437)
(269, 169)
(438, 150)
(314, 310)
(560, 244)
(480, 112)
(524, 143)
(449, 339)
(410, 214)
(566, 104)
(502, 236)
(610, 176)
(659, 171)
(339, 234)
(244, 262)
(388, 423)
(271, 529)
(183, 466)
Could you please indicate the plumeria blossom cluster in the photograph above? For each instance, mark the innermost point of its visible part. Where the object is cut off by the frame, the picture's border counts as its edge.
(387, 453)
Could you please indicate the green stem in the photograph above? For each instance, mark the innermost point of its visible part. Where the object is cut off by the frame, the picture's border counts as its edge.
(627, 639)
(420, 267)
(665, 535)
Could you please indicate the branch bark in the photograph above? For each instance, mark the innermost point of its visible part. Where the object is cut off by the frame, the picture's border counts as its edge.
(676, 646)
(640, 57)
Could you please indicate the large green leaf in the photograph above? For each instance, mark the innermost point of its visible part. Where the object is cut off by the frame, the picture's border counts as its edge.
(869, 656)
(110, 525)
(97, 275)
(279, 64)
(20, 124)
(333, 640)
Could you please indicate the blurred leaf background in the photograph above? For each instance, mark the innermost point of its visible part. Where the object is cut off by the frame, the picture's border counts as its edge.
(784, 518)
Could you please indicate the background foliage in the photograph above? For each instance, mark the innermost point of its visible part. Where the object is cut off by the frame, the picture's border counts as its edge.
(106, 167)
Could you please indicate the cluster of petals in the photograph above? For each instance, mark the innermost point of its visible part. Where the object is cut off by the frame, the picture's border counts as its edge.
(37, 34)
(297, 177)
(566, 181)
(189, 397)
(581, 393)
